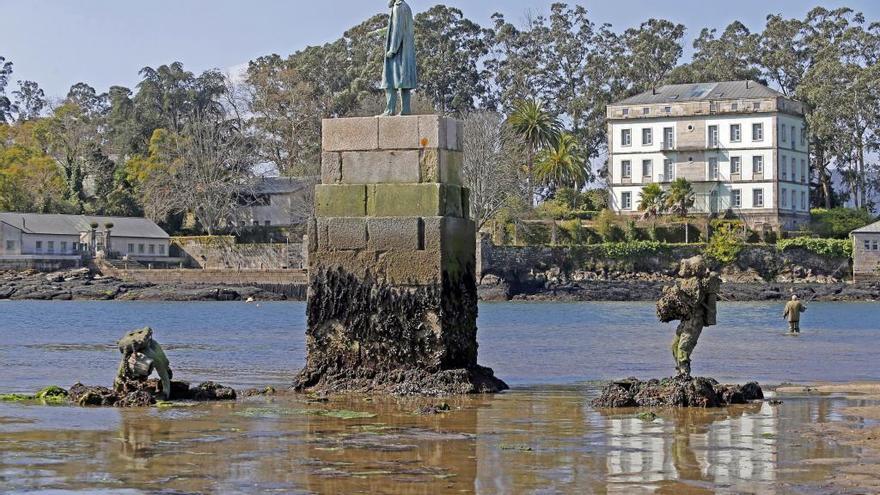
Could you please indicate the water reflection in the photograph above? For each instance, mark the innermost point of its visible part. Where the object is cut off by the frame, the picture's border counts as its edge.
(527, 441)
(694, 446)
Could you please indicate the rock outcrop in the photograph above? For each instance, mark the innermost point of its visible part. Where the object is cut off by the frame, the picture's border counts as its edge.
(83, 285)
(147, 394)
(681, 391)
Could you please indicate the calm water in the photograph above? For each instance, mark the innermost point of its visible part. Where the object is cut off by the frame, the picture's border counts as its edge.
(46, 343)
(542, 437)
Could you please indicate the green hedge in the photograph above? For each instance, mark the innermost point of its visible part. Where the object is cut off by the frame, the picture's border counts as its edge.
(625, 250)
(838, 248)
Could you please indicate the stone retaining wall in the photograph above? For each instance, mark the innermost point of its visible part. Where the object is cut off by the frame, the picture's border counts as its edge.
(535, 269)
(45, 263)
(222, 252)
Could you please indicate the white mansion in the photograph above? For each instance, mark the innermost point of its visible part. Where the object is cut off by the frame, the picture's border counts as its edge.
(742, 145)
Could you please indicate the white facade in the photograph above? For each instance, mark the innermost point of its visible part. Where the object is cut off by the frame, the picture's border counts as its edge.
(281, 202)
(33, 235)
(139, 247)
(745, 156)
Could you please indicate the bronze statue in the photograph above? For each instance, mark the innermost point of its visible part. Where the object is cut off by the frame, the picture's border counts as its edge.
(141, 355)
(693, 301)
(399, 72)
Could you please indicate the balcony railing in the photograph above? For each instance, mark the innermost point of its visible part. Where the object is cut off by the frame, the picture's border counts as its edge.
(667, 145)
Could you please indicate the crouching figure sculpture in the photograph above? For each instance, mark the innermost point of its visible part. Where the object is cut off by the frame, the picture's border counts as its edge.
(141, 355)
(692, 301)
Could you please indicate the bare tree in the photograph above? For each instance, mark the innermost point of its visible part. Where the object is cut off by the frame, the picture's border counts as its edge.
(490, 171)
(213, 175)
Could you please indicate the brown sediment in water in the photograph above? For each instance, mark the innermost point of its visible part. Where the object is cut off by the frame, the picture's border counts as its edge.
(858, 428)
(525, 441)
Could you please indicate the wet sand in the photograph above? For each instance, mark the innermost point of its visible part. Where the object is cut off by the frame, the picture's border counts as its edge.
(530, 440)
(858, 427)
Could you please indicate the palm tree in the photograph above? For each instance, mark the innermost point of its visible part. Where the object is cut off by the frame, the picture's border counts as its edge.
(680, 197)
(537, 129)
(562, 165)
(652, 202)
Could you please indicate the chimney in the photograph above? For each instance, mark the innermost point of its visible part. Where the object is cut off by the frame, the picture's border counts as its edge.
(23, 224)
(747, 84)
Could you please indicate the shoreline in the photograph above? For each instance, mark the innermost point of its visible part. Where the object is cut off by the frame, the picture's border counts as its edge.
(651, 290)
(81, 285)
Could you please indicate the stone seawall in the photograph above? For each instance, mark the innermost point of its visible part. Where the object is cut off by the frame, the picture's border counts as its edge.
(223, 253)
(761, 272)
(45, 263)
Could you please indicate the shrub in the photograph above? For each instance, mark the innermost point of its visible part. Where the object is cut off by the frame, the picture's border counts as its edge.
(534, 234)
(595, 200)
(632, 231)
(569, 204)
(606, 226)
(726, 242)
(839, 222)
(838, 248)
(573, 232)
(553, 210)
(627, 250)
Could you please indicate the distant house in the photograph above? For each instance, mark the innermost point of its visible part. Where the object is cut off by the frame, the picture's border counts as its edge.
(866, 253)
(281, 202)
(49, 236)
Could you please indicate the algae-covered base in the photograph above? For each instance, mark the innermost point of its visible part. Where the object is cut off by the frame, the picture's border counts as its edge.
(473, 380)
(676, 392)
(48, 395)
(147, 394)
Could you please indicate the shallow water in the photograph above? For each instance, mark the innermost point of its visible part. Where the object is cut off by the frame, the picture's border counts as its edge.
(245, 345)
(542, 437)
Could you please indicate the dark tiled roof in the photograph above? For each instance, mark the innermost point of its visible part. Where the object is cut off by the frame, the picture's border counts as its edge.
(727, 90)
(282, 185)
(874, 228)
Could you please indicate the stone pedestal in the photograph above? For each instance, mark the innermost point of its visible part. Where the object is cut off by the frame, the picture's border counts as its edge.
(392, 303)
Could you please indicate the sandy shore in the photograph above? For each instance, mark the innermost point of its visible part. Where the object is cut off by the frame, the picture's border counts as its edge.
(859, 428)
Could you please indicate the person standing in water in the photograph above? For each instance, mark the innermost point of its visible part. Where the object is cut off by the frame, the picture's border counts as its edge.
(793, 310)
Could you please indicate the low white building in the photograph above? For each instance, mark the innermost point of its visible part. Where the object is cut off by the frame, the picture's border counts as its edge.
(46, 236)
(866, 253)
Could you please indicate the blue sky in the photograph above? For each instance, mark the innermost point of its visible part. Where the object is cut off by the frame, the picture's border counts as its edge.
(105, 42)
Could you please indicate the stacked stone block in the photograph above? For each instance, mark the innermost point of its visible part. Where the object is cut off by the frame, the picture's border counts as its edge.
(392, 299)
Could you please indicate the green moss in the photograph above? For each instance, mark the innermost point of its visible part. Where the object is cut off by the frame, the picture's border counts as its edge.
(48, 395)
(340, 200)
(647, 416)
(52, 394)
(15, 397)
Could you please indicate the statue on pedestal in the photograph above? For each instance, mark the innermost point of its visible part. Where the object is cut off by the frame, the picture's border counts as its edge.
(399, 72)
(692, 301)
